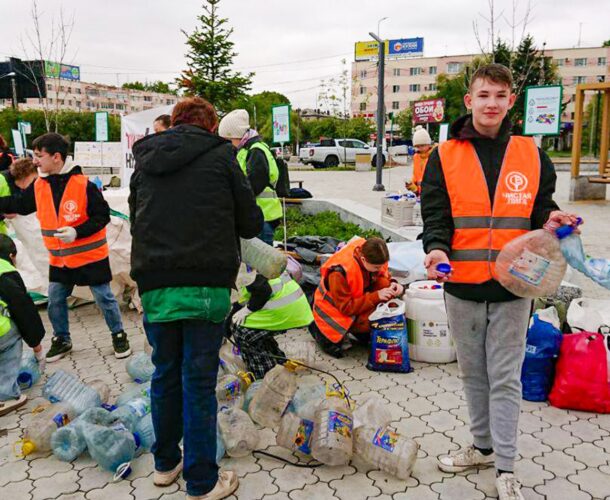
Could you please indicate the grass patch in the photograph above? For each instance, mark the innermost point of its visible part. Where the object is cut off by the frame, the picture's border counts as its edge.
(323, 224)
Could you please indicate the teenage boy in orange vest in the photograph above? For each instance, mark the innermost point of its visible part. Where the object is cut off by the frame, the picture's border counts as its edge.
(480, 190)
(73, 217)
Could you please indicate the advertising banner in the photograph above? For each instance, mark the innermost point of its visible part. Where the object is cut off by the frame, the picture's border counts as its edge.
(367, 51)
(406, 47)
(64, 71)
(542, 110)
(281, 123)
(429, 111)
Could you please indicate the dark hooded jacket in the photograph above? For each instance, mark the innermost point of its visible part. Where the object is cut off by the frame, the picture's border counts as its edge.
(189, 204)
(436, 207)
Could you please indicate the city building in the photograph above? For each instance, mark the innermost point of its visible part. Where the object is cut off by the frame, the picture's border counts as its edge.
(409, 80)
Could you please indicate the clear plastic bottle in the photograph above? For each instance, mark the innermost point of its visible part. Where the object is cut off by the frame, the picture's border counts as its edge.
(29, 371)
(307, 395)
(332, 438)
(239, 434)
(270, 401)
(387, 450)
(371, 411)
(264, 258)
(134, 393)
(132, 412)
(110, 446)
(38, 434)
(145, 432)
(140, 367)
(255, 386)
(532, 265)
(230, 391)
(64, 386)
(231, 360)
(596, 269)
(295, 433)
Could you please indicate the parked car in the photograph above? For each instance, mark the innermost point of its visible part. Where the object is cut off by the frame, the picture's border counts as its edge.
(332, 152)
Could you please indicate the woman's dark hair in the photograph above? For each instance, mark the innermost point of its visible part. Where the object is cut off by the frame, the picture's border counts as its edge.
(195, 111)
(7, 247)
(375, 251)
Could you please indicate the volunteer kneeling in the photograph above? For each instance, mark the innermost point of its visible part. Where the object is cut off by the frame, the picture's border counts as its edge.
(272, 307)
(352, 282)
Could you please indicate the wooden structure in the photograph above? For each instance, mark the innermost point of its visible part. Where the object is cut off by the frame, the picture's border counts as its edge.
(604, 167)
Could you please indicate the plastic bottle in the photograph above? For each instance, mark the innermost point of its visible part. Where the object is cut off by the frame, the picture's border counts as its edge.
(38, 434)
(63, 386)
(332, 438)
(264, 258)
(29, 371)
(533, 264)
(596, 269)
(134, 393)
(255, 386)
(238, 433)
(295, 433)
(110, 446)
(231, 360)
(230, 391)
(145, 432)
(371, 411)
(387, 450)
(140, 367)
(308, 395)
(132, 412)
(270, 401)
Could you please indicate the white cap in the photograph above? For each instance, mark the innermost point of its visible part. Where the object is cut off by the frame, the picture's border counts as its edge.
(234, 125)
(421, 136)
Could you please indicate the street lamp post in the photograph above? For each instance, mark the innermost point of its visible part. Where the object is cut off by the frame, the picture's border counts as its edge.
(378, 23)
(380, 114)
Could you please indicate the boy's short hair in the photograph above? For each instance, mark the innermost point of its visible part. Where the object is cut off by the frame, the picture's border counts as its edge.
(7, 247)
(375, 251)
(497, 73)
(22, 168)
(165, 120)
(52, 143)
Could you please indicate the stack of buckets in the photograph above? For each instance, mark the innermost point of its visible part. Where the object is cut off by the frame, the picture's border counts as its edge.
(428, 329)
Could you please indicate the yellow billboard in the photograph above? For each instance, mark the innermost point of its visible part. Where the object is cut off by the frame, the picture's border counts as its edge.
(365, 51)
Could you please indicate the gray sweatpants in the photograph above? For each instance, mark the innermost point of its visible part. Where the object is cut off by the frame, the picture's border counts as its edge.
(490, 344)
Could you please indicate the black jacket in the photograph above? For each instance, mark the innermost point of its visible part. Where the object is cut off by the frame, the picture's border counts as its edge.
(436, 207)
(98, 211)
(189, 203)
(22, 309)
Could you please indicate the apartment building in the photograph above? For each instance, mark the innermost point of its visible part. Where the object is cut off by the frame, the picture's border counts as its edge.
(409, 80)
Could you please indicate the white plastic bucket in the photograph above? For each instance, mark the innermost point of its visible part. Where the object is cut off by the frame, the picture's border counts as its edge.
(429, 337)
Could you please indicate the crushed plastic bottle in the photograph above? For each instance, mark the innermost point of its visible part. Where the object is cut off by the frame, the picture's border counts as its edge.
(332, 438)
(134, 393)
(270, 401)
(231, 360)
(387, 450)
(255, 386)
(372, 411)
(38, 433)
(295, 433)
(145, 432)
(140, 367)
(597, 270)
(111, 446)
(29, 371)
(132, 412)
(64, 386)
(238, 433)
(267, 260)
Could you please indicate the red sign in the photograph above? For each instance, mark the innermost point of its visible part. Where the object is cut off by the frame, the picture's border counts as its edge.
(429, 111)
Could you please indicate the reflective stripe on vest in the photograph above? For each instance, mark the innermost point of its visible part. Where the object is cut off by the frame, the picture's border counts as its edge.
(5, 315)
(267, 200)
(480, 229)
(72, 212)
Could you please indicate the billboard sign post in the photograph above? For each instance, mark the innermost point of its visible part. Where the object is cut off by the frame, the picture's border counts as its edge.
(281, 123)
(393, 49)
(429, 111)
(63, 71)
(542, 115)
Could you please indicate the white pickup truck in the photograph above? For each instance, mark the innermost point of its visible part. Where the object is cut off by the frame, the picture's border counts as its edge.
(332, 152)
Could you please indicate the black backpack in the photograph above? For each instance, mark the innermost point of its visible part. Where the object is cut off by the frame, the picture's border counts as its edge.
(282, 187)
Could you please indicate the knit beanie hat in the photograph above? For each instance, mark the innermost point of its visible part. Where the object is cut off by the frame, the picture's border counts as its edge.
(234, 125)
(420, 136)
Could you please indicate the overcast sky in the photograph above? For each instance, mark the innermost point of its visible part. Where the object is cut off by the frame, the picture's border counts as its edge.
(290, 44)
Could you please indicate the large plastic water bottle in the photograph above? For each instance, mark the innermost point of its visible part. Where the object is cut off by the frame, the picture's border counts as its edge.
(230, 391)
(264, 258)
(38, 433)
(145, 432)
(332, 438)
(110, 446)
(387, 450)
(254, 387)
(533, 264)
(307, 397)
(238, 433)
(295, 433)
(134, 393)
(140, 367)
(270, 401)
(372, 411)
(64, 386)
(132, 412)
(29, 371)
(231, 360)
(596, 269)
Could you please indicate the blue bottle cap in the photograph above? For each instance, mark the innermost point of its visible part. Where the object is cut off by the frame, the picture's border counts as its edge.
(443, 268)
(122, 472)
(564, 231)
(137, 439)
(24, 380)
(109, 407)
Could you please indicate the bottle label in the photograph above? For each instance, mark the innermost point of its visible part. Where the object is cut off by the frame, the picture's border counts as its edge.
(385, 439)
(429, 333)
(340, 423)
(232, 390)
(139, 407)
(235, 350)
(302, 438)
(530, 268)
(119, 427)
(61, 419)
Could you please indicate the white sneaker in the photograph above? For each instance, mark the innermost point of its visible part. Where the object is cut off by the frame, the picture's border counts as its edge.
(227, 483)
(509, 487)
(468, 458)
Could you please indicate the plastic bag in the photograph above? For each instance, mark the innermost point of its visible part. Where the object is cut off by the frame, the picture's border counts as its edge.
(389, 340)
(407, 261)
(589, 315)
(581, 379)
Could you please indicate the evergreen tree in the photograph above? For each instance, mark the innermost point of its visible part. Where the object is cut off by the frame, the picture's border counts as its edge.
(210, 57)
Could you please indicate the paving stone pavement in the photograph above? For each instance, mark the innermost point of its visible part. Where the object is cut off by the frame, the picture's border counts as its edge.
(564, 454)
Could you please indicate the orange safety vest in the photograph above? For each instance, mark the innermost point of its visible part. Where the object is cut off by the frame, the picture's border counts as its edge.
(419, 167)
(72, 212)
(333, 324)
(480, 232)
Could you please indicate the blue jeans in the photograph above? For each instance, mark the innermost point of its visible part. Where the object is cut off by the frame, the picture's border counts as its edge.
(10, 360)
(183, 398)
(267, 233)
(58, 307)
